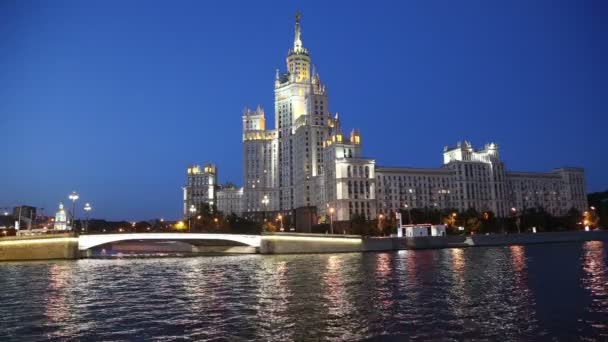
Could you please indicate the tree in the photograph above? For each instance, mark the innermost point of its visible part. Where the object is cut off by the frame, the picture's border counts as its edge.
(537, 217)
(241, 225)
(599, 201)
(142, 226)
(472, 221)
(360, 225)
(591, 218)
(488, 222)
(573, 219)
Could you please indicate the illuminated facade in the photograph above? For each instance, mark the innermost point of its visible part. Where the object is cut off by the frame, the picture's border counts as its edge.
(478, 179)
(230, 200)
(200, 188)
(260, 166)
(305, 161)
(556, 191)
(405, 187)
(61, 219)
(284, 168)
(348, 183)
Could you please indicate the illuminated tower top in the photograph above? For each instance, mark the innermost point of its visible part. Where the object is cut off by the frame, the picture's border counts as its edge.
(298, 60)
(297, 40)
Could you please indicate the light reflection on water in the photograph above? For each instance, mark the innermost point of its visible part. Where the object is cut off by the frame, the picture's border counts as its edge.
(596, 282)
(502, 293)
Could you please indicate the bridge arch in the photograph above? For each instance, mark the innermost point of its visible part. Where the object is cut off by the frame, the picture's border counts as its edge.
(86, 242)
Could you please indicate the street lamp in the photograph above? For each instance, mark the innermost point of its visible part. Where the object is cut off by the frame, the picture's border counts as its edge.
(87, 208)
(517, 220)
(216, 222)
(280, 217)
(438, 212)
(331, 219)
(409, 214)
(192, 212)
(265, 202)
(73, 197)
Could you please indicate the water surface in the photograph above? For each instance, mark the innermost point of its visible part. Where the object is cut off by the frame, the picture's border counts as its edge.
(547, 292)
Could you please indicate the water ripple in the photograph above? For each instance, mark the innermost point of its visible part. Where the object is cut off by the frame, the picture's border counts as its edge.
(555, 292)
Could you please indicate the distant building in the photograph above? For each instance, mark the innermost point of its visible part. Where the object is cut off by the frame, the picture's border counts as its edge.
(306, 167)
(25, 215)
(61, 219)
(297, 166)
(478, 179)
(200, 188)
(556, 191)
(230, 200)
(406, 187)
(348, 183)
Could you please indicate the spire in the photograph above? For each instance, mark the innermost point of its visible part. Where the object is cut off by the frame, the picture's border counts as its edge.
(337, 123)
(297, 40)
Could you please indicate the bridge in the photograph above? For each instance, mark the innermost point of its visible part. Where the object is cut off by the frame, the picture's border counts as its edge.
(86, 242)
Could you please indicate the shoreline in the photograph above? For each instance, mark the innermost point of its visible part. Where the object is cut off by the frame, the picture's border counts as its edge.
(66, 247)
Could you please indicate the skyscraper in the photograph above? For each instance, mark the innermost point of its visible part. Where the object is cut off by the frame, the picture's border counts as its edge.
(283, 164)
(307, 166)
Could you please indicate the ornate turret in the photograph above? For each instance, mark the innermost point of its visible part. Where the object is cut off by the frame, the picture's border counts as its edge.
(336, 123)
(298, 61)
(355, 137)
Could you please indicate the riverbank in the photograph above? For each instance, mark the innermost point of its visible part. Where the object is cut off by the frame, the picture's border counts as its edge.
(39, 247)
(66, 246)
(292, 243)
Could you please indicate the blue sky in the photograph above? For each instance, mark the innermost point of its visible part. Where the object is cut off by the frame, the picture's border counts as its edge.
(115, 98)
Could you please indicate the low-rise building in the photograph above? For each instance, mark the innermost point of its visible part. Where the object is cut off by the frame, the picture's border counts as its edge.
(230, 200)
(478, 179)
(556, 191)
(200, 188)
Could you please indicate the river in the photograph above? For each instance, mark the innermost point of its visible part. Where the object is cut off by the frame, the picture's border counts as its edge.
(547, 292)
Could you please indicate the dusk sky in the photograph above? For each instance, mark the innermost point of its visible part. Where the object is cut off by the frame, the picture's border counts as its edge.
(114, 99)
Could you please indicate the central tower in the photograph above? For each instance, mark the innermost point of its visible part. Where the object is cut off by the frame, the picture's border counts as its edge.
(302, 124)
(300, 166)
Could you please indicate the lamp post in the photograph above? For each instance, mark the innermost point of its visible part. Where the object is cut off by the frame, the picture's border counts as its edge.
(73, 197)
(438, 212)
(591, 217)
(87, 208)
(192, 212)
(265, 202)
(409, 214)
(331, 219)
(517, 219)
(280, 217)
